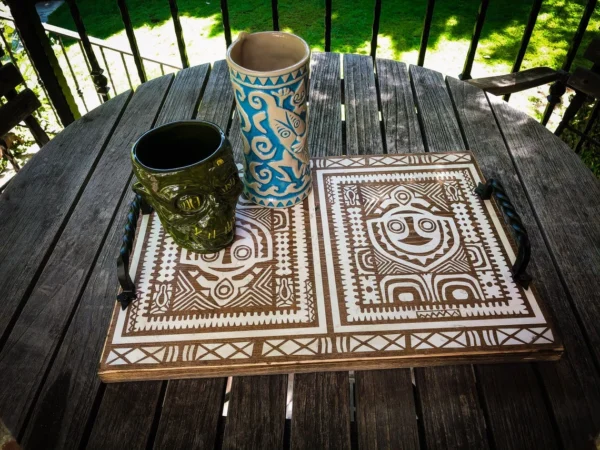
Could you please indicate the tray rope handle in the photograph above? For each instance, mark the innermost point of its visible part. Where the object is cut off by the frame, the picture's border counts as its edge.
(129, 292)
(519, 268)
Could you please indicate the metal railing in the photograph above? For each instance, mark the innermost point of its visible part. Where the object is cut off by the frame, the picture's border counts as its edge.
(59, 35)
(25, 16)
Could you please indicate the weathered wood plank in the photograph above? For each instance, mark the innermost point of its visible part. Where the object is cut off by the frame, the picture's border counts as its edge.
(39, 328)
(31, 215)
(188, 418)
(321, 411)
(77, 361)
(571, 384)
(182, 424)
(566, 199)
(451, 414)
(374, 429)
(325, 112)
(10, 78)
(124, 419)
(362, 115)
(256, 415)
(385, 410)
(186, 92)
(401, 125)
(438, 122)
(518, 417)
(441, 413)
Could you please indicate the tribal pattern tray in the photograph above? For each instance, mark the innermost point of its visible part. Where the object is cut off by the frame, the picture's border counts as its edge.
(391, 261)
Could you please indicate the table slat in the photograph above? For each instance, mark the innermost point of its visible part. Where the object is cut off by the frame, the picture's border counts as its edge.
(452, 416)
(321, 401)
(401, 125)
(441, 130)
(41, 323)
(321, 411)
(190, 414)
(324, 109)
(181, 104)
(566, 199)
(573, 381)
(385, 410)
(180, 412)
(124, 420)
(77, 361)
(32, 214)
(363, 129)
(256, 415)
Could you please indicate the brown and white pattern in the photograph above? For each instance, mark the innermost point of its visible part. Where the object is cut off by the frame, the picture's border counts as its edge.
(391, 260)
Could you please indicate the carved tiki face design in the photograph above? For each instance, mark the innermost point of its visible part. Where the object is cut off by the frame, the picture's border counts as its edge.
(186, 172)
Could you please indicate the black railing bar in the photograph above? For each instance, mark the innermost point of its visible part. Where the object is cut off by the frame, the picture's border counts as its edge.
(533, 15)
(479, 21)
(126, 70)
(328, 13)
(162, 69)
(375, 31)
(88, 65)
(426, 30)
(583, 136)
(99, 80)
(226, 27)
(275, 14)
(77, 87)
(95, 41)
(588, 126)
(108, 71)
(578, 37)
(185, 62)
(139, 63)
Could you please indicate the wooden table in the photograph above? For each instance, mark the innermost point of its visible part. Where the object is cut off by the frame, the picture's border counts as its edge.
(61, 223)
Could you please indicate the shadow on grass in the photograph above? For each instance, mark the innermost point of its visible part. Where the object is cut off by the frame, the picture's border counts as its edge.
(400, 28)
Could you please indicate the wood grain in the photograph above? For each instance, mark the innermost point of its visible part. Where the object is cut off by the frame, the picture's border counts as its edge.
(566, 199)
(125, 403)
(77, 361)
(571, 384)
(442, 134)
(385, 410)
(325, 113)
(363, 130)
(401, 125)
(321, 411)
(186, 93)
(182, 423)
(256, 415)
(438, 122)
(32, 213)
(451, 414)
(376, 429)
(188, 418)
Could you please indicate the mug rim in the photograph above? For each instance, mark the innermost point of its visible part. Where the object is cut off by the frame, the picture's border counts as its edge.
(175, 124)
(260, 73)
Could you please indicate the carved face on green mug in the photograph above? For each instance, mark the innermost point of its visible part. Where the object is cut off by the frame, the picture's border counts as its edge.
(186, 172)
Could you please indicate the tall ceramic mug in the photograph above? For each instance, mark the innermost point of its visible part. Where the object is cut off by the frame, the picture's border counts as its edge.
(269, 73)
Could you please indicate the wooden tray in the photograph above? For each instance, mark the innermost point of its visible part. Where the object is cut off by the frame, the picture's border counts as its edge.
(392, 261)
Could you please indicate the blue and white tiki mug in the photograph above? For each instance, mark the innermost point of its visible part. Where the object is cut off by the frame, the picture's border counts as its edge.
(269, 73)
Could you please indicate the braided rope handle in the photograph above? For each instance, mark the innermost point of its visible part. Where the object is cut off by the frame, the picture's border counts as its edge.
(493, 188)
(129, 293)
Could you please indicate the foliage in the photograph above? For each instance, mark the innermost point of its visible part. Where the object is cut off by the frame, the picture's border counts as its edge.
(23, 142)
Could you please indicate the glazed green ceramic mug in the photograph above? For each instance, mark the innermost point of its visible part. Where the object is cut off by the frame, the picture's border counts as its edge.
(187, 173)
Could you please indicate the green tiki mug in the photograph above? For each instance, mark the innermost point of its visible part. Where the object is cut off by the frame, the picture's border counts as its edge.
(186, 172)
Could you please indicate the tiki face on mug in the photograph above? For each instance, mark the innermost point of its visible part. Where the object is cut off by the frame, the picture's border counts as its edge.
(186, 172)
